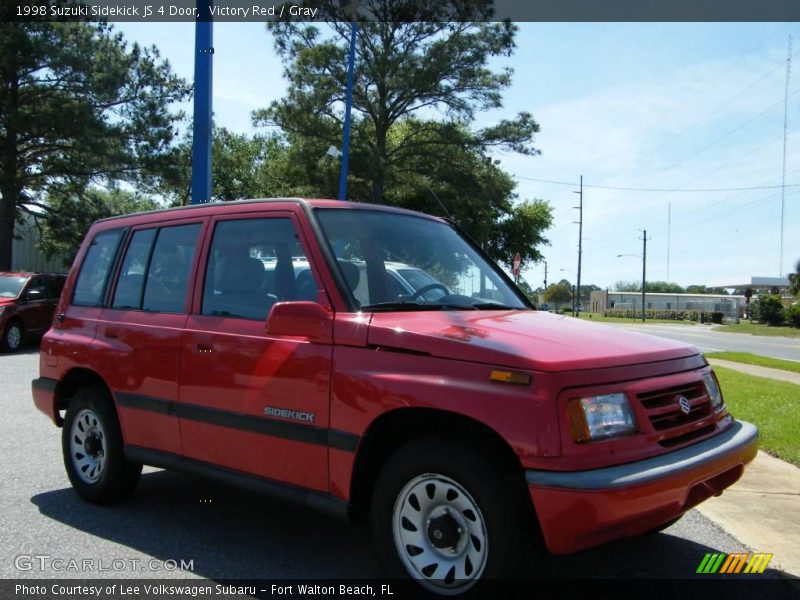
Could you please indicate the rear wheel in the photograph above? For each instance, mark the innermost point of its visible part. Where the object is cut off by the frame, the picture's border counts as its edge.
(449, 516)
(12, 337)
(92, 447)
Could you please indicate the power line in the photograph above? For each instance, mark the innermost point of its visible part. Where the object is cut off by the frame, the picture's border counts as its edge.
(738, 94)
(620, 238)
(634, 189)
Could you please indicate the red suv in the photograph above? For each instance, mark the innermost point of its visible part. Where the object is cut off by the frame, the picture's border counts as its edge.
(264, 343)
(27, 303)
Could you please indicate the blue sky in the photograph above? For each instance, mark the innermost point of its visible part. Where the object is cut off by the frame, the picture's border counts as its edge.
(661, 106)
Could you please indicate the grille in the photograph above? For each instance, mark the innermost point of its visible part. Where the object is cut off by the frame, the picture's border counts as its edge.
(672, 425)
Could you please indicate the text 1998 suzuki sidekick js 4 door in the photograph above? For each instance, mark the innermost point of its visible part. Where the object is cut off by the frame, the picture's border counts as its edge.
(463, 424)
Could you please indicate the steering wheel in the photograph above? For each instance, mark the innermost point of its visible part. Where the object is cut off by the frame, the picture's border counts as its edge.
(428, 288)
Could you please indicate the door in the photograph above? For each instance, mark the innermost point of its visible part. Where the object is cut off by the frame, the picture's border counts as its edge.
(35, 307)
(139, 334)
(250, 401)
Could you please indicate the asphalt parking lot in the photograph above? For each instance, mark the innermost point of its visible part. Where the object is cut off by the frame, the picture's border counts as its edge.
(226, 533)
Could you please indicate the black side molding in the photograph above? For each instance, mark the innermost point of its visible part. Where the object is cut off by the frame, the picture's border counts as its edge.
(320, 436)
(311, 498)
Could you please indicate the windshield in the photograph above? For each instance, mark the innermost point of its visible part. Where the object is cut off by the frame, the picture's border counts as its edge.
(11, 286)
(402, 262)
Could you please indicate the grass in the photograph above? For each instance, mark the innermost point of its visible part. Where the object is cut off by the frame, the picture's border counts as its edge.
(601, 319)
(754, 359)
(760, 329)
(770, 405)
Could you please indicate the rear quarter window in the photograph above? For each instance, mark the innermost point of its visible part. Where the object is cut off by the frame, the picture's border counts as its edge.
(92, 281)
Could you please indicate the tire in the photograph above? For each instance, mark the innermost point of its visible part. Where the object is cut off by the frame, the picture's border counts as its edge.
(474, 507)
(91, 442)
(12, 337)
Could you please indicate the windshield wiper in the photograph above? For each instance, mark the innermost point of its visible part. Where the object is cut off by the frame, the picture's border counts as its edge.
(496, 306)
(388, 306)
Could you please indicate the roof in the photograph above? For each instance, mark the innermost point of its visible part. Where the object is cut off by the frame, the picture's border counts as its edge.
(760, 282)
(313, 203)
(670, 295)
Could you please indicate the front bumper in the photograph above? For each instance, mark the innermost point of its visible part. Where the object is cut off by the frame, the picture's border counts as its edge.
(581, 509)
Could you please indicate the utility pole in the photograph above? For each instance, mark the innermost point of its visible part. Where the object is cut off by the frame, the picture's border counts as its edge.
(785, 132)
(576, 309)
(545, 274)
(351, 59)
(644, 272)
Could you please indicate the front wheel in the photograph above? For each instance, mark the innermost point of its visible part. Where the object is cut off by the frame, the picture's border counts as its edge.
(448, 516)
(92, 447)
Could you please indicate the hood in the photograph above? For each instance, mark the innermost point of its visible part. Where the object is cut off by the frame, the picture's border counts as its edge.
(530, 340)
(8, 301)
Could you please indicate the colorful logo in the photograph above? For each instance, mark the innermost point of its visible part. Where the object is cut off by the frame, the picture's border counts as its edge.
(741, 562)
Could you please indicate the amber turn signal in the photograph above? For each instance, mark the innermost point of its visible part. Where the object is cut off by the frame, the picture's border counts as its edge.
(578, 428)
(510, 377)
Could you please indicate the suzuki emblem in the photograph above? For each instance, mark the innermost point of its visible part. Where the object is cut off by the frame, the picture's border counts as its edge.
(686, 406)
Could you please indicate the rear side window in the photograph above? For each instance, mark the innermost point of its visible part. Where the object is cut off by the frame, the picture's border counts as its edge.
(130, 286)
(155, 272)
(168, 271)
(93, 276)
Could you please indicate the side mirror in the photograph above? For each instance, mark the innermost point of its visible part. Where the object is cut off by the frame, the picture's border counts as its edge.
(300, 319)
(33, 295)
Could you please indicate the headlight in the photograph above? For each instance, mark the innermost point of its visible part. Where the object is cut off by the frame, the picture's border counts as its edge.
(713, 390)
(599, 417)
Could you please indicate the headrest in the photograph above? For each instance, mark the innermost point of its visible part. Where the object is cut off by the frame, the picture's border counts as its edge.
(238, 274)
(351, 272)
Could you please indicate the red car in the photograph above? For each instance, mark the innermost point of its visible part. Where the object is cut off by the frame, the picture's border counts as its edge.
(27, 304)
(463, 425)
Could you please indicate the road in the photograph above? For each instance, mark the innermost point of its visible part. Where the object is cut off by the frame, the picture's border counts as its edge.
(231, 534)
(708, 340)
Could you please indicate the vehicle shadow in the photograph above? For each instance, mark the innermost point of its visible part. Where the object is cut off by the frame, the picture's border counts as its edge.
(26, 348)
(231, 534)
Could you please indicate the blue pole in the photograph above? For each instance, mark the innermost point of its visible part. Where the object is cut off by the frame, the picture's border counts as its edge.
(201, 128)
(348, 106)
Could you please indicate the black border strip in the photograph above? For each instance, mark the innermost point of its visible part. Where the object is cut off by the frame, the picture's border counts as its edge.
(422, 10)
(311, 498)
(45, 383)
(332, 438)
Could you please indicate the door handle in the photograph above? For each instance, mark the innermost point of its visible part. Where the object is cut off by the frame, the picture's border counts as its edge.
(112, 332)
(205, 348)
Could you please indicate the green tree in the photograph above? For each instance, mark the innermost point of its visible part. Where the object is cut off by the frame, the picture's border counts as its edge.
(71, 215)
(398, 154)
(794, 280)
(415, 60)
(770, 310)
(244, 166)
(653, 287)
(78, 106)
(558, 294)
(701, 289)
(528, 291)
